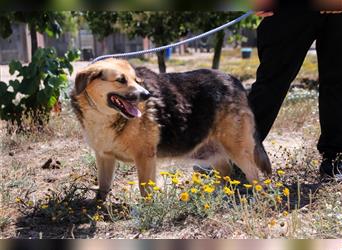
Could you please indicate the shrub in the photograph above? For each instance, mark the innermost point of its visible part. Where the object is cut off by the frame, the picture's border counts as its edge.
(36, 88)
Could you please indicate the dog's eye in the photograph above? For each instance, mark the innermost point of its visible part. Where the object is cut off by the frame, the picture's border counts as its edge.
(122, 80)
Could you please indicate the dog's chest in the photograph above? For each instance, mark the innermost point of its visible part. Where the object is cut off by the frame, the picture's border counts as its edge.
(105, 139)
(99, 137)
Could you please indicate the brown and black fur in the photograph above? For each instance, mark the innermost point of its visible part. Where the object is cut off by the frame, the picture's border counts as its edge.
(201, 115)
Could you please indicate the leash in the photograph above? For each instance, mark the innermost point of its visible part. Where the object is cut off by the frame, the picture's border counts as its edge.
(154, 50)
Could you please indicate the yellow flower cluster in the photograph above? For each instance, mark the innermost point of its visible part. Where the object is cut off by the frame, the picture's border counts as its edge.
(196, 178)
(208, 189)
(228, 191)
(184, 197)
(286, 192)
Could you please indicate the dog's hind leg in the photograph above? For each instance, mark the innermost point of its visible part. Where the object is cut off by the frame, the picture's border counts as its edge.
(224, 167)
(236, 134)
(105, 170)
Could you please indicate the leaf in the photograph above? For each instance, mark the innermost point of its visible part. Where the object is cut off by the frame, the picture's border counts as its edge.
(15, 85)
(3, 88)
(14, 66)
(5, 96)
(55, 82)
(73, 55)
(29, 86)
(52, 101)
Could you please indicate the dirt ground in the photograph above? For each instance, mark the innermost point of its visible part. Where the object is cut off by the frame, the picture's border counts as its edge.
(32, 165)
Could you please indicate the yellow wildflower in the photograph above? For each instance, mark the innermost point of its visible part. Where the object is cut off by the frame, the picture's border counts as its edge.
(218, 176)
(186, 182)
(164, 173)
(315, 162)
(143, 184)
(267, 182)
(194, 190)
(196, 178)
(279, 184)
(247, 185)
(278, 198)
(243, 200)
(131, 182)
(175, 180)
(156, 188)
(255, 182)
(45, 206)
(184, 197)
(206, 206)
(148, 197)
(178, 173)
(227, 178)
(235, 182)
(205, 176)
(285, 213)
(228, 191)
(286, 192)
(97, 217)
(280, 172)
(272, 222)
(258, 188)
(151, 183)
(217, 182)
(17, 200)
(216, 172)
(208, 189)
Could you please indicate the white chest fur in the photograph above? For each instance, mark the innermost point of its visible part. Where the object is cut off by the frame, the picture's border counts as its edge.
(99, 132)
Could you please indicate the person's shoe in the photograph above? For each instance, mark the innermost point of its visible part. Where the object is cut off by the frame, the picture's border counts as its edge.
(331, 169)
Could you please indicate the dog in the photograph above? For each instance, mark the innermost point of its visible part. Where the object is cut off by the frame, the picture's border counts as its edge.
(136, 115)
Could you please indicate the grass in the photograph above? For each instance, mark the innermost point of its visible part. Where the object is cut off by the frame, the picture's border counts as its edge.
(231, 62)
(60, 203)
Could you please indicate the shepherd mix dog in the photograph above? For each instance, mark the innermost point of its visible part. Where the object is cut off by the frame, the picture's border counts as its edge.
(135, 115)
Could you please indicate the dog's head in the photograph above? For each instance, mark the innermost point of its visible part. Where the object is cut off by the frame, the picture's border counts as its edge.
(112, 86)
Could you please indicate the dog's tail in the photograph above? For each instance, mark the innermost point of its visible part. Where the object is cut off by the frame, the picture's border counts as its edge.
(260, 156)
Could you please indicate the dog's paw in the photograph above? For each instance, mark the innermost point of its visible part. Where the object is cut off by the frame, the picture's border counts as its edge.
(100, 194)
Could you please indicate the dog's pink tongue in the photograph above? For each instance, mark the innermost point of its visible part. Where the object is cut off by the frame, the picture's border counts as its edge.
(131, 109)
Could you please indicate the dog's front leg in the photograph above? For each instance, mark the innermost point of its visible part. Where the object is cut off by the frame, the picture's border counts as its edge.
(105, 170)
(146, 166)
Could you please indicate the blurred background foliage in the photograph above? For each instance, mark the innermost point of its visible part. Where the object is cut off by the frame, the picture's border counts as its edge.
(45, 76)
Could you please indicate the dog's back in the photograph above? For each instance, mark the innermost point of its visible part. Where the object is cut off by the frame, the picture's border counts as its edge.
(188, 103)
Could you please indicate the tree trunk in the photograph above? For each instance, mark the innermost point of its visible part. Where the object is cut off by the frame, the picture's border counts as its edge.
(34, 42)
(161, 61)
(218, 49)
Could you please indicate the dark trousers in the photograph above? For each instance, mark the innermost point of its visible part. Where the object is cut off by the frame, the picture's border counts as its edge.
(283, 41)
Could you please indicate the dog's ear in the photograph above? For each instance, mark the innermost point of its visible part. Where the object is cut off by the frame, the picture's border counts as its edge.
(83, 78)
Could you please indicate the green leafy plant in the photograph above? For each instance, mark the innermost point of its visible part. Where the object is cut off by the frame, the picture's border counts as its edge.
(36, 88)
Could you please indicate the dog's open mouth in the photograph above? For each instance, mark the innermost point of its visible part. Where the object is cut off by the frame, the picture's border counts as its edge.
(127, 108)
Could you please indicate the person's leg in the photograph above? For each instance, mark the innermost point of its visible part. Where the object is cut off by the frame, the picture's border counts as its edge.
(283, 41)
(329, 52)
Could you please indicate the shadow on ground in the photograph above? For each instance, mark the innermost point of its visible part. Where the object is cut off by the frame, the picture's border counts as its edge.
(306, 195)
(50, 223)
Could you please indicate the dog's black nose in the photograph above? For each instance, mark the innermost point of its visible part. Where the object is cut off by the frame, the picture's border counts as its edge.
(145, 95)
(132, 97)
